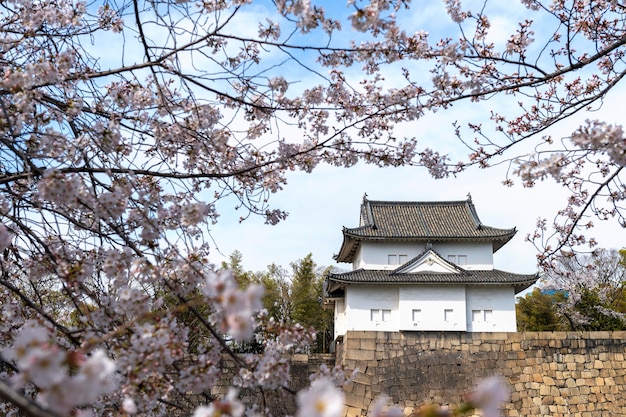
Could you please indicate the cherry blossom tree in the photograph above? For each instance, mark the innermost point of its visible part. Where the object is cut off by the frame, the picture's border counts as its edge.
(124, 123)
(590, 289)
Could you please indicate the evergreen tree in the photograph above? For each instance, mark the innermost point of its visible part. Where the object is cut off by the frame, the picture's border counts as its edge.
(235, 264)
(306, 299)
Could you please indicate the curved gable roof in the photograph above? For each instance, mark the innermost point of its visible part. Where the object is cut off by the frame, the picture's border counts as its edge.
(423, 219)
(419, 221)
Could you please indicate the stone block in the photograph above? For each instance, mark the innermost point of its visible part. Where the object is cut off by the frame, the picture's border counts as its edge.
(356, 401)
(361, 378)
(360, 355)
(544, 391)
(548, 380)
(369, 344)
(349, 364)
(580, 359)
(352, 343)
(352, 412)
(300, 358)
(359, 389)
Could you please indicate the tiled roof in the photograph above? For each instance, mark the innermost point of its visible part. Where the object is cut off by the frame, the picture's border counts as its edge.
(419, 221)
(368, 276)
(427, 220)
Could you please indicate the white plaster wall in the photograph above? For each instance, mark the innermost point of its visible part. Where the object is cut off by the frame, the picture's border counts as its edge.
(500, 300)
(358, 259)
(340, 317)
(373, 255)
(432, 301)
(361, 299)
(479, 254)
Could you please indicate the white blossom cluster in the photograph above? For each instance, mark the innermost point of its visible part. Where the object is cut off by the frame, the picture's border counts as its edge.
(65, 379)
(126, 126)
(601, 137)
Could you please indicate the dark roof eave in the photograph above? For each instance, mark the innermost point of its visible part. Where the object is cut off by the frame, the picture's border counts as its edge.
(347, 250)
(508, 236)
(473, 277)
(523, 284)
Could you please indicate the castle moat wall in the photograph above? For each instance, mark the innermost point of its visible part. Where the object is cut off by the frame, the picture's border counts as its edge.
(576, 374)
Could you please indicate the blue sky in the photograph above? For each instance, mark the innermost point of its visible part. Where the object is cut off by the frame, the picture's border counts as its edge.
(321, 203)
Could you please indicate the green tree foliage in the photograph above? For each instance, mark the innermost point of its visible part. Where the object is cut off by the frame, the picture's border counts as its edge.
(306, 298)
(303, 291)
(235, 264)
(597, 313)
(290, 297)
(538, 312)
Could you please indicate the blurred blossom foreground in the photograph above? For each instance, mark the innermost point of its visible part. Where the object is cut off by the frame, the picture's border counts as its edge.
(323, 399)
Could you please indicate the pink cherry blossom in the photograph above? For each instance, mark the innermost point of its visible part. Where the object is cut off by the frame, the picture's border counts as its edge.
(489, 396)
(322, 399)
(129, 127)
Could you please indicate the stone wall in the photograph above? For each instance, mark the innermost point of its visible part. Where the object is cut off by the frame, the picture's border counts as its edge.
(577, 374)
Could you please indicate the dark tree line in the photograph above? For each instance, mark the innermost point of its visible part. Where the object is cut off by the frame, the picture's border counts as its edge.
(291, 295)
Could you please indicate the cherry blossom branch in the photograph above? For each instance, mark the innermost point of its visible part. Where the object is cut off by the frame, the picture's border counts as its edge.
(26, 300)
(564, 239)
(26, 406)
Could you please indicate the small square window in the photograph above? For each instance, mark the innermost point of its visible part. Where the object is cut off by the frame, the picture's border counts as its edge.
(488, 316)
(375, 315)
(452, 258)
(447, 314)
(402, 259)
(417, 315)
(386, 315)
(392, 259)
(477, 315)
(462, 260)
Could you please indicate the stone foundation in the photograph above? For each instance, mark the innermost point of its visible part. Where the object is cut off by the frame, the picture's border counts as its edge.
(576, 374)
